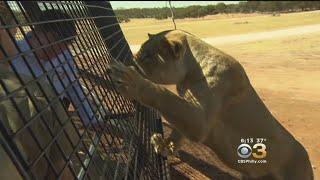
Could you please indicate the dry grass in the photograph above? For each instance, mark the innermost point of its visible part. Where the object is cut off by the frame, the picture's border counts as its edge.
(218, 25)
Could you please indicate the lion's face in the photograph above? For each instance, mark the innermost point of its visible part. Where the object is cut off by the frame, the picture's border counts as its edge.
(161, 58)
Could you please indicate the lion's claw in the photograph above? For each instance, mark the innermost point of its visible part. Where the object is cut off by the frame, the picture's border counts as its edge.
(126, 79)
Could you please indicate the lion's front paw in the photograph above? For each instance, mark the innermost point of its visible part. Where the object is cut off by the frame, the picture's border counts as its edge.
(173, 150)
(161, 147)
(126, 79)
(159, 144)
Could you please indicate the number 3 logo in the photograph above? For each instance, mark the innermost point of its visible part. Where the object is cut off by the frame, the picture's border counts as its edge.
(261, 151)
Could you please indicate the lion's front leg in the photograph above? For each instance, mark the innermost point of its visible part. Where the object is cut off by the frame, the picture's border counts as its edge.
(188, 118)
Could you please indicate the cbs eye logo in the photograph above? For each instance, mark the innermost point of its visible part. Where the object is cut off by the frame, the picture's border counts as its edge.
(258, 151)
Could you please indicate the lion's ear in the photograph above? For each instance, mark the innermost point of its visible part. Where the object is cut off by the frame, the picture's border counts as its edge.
(174, 48)
(150, 35)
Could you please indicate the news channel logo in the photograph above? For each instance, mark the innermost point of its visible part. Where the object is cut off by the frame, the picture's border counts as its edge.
(252, 151)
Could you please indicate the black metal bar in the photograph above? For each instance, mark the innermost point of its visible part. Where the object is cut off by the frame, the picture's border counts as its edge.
(117, 146)
(101, 23)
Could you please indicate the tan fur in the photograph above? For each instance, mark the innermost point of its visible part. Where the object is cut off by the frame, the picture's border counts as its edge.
(217, 105)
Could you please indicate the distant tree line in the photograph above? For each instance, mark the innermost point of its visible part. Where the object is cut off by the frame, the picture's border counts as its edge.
(124, 15)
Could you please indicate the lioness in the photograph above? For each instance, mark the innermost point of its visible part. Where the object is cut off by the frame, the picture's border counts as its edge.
(216, 106)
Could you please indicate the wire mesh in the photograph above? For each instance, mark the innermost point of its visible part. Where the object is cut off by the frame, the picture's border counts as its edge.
(60, 116)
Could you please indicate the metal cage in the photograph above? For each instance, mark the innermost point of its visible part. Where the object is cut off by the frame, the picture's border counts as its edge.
(60, 116)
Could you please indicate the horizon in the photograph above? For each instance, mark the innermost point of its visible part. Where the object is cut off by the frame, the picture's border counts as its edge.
(159, 4)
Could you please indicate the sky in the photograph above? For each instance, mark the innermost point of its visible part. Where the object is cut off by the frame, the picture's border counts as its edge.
(152, 4)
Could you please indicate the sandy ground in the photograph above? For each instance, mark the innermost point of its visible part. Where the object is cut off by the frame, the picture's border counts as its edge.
(219, 25)
(264, 35)
(242, 38)
(284, 67)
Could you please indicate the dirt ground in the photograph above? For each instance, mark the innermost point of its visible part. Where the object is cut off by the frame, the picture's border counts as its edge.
(285, 71)
(219, 25)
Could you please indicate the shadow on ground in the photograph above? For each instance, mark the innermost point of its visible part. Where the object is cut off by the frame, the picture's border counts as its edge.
(206, 169)
(195, 161)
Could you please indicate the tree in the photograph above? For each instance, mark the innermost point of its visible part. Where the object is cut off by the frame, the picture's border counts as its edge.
(221, 7)
(201, 11)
